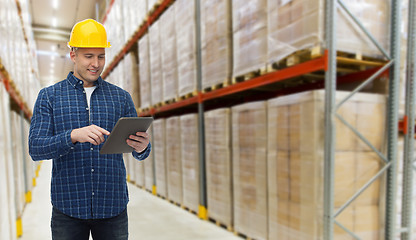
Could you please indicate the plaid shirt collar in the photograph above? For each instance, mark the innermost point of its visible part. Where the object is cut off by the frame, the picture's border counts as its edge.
(78, 83)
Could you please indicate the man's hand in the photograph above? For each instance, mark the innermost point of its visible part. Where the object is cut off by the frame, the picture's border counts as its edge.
(92, 134)
(139, 141)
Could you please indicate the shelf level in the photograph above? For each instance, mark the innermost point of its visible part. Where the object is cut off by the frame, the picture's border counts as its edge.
(13, 92)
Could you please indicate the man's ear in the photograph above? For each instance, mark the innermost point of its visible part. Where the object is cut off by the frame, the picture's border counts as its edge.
(72, 54)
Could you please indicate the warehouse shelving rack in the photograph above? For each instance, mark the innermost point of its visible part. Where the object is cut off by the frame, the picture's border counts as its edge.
(327, 65)
(9, 84)
(409, 163)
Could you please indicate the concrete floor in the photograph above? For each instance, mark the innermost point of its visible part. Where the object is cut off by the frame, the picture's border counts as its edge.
(150, 217)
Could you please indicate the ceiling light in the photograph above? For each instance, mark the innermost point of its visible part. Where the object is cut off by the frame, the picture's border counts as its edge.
(53, 55)
(55, 4)
(54, 22)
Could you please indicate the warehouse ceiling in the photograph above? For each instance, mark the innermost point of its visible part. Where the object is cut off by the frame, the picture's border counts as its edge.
(52, 21)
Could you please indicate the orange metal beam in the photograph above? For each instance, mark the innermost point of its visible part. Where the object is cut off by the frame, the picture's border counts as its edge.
(277, 76)
(403, 125)
(107, 11)
(176, 105)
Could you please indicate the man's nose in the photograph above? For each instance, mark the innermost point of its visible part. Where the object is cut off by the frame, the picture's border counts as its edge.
(94, 62)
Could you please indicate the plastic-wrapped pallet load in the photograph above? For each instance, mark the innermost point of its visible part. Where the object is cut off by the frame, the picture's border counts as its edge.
(168, 48)
(31, 165)
(131, 77)
(156, 78)
(190, 160)
(7, 187)
(249, 36)
(173, 159)
(18, 163)
(299, 24)
(115, 31)
(186, 49)
(249, 143)
(134, 13)
(216, 42)
(159, 148)
(134, 169)
(129, 168)
(116, 77)
(144, 72)
(218, 165)
(296, 167)
(139, 174)
(148, 167)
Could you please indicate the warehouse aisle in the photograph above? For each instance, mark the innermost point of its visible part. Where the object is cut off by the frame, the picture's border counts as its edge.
(149, 217)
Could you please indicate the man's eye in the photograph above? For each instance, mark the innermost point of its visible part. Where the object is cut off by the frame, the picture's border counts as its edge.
(101, 57)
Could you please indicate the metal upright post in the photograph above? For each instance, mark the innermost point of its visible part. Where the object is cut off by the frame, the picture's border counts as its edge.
(330, 88)
(201, 125)
(392, 121)
(409, 134)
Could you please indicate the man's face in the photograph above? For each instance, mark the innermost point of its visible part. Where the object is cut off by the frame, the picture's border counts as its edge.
(88, 64)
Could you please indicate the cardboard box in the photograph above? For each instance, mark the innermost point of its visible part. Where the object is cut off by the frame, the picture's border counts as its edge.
(218, 165)
(299, 118)
(249, 36)
(144, 72)
(156, 77)
(295, 25)
(249, 143)
(169, 56)
(216, 42)
(190, 161)
(174, 159)
(159, 148)
(186, 48)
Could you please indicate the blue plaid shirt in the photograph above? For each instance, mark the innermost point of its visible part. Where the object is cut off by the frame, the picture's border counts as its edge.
(85, 184)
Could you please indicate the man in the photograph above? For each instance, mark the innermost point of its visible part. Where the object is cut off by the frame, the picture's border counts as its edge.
(71, 120)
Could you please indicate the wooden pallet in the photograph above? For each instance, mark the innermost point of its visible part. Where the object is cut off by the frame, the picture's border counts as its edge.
(190, 210)
(214, 87)
(222, 225)
(162, 197)
(249, 75)
(175, 203)
(186, 96)
(141, 110)
(170, 101)
(147, 190)
(296, 57)
(242, 235)
(158, 105)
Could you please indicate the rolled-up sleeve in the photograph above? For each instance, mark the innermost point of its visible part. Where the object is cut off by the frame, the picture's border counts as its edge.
(143, 155)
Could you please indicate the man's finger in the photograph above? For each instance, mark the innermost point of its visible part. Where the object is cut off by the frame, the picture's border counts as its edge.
(136, 138)
(142, 134)
(94, 134)
(102, 130)
(99, 133)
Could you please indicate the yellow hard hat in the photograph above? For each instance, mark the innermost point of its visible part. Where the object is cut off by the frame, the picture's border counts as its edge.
(88, 34)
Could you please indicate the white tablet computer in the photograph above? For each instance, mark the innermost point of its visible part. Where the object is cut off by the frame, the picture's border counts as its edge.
(126, 126)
